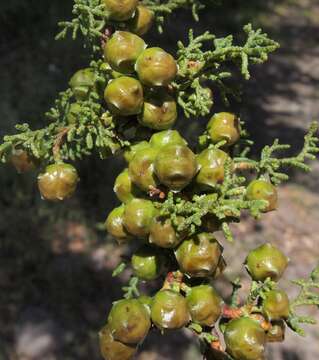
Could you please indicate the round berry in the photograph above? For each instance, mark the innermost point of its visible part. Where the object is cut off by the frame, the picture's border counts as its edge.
(133, 149)
(275, 305)
(141, 169)
(159, 111)
(58, 181)
(204, 305)
(263, 190)
(175, 166)
(138, 216)
(112, 349)
(266, 261)
(167, 137)
(211, 167)
(163, 233)
(245, 339)
(124, 189)
(155, 67)
(22, 161)
(82, 82)
(199, 256)
(124, 96)
(122, 50)
(129, 321)
(169, 310)
(115, 224)
(277, 331)
(224, 126)
(147, 263)
(120, 10)
(142, 20)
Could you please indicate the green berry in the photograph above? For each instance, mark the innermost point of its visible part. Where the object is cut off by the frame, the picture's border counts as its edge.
(129, 321)
(266, 261)
(142, 20)
(245, 339)
(155, 67)
(138, 216)
(159, 111)
(58, 181)
(169, 310)
(199, 256)
(22, 161)
(224, 126)
(163, 233)
(263, 190)
(167, 137)
(276, 333)
(175, 166)
(120, 10)
(275, 305)
(211, 167)
(112, 349)
(82, 82)
(115, 224)
(124, 96)
(124, 189)
(141, 169)
(133, 149)
(122, 50)
(147, 263)
(204, 305)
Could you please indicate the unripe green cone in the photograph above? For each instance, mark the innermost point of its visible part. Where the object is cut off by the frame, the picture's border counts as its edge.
(141, 169)
(245, 339)
(82, 82)
(159, 111)
(211, 163)
(22, 161)
(115, 224)
(138, 217)
(112, 349)
(224, 126)
(155, 67)
(120, 10)
(276, 333)
(275, 305)
(167, 137)
(147, 263)
(266, 261)
(73, 113)
(175, 166)
(130, 153)
(263, 190)
(122, 50)
(204, 305)
(58, 181)
(129, 321)
(169, 310)
(163, 234)
(199, 256)
(124, 96)
(124, 189)
(142, 20)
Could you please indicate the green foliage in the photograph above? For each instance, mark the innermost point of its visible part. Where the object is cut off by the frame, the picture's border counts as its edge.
(198, 66)
(308, 295)
(270, 166)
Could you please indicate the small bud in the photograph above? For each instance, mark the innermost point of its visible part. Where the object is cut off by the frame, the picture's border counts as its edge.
(142, 20)
(147, 263)
(120, 10)
(263, 190)
(82, 82)
(224, 126)
(276, 305)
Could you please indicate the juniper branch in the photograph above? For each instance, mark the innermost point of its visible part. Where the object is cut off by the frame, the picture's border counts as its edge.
(198, 66)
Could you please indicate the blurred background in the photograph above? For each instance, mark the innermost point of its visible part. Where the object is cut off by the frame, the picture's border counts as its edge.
(55, 265)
